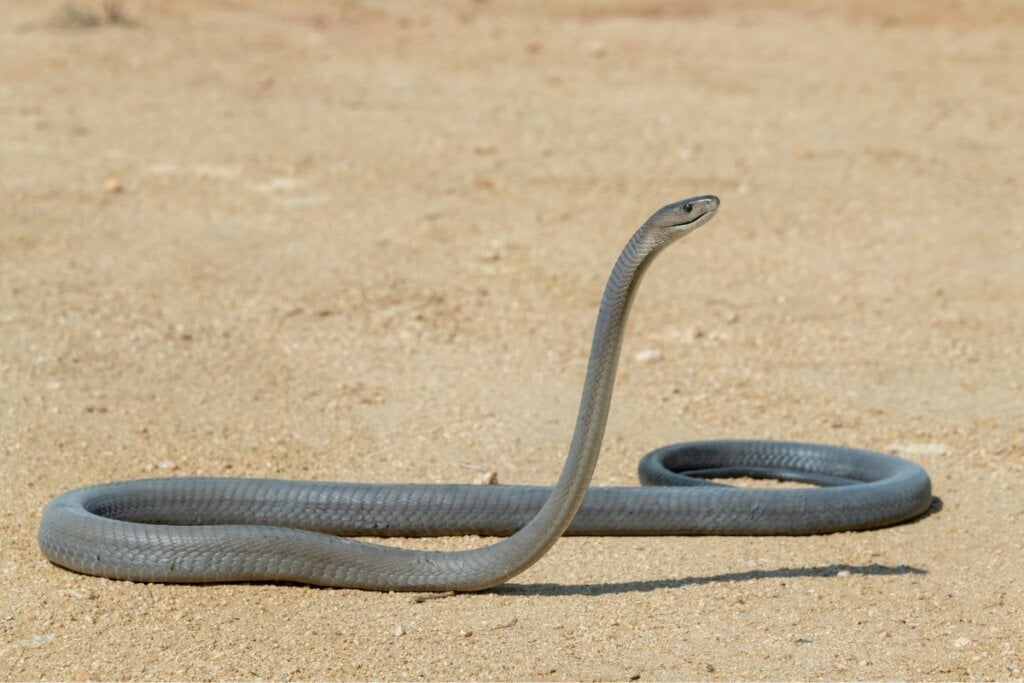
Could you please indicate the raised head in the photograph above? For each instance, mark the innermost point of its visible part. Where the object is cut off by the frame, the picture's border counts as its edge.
(679, 218)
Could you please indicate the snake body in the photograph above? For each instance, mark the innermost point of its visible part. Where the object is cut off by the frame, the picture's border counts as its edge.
(195, 530)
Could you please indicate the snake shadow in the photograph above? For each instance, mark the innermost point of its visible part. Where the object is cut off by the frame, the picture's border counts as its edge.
(826, 571)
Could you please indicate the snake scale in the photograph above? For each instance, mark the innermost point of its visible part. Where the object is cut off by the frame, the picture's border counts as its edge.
(194, 530)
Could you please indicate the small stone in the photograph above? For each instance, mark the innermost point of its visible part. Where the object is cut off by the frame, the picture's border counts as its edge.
(921, 449)
(37, 641)
(843, 572)
(961, 642)
(692, 334)
(648, 356)
(487, 479)
(493, 252)
(398, 631)
(465, 633)
(113, 186)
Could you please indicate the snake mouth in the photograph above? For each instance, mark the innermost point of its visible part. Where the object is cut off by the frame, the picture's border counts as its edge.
(697, 208)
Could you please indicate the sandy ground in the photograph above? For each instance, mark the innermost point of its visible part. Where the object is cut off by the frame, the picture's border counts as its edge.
(351, 242)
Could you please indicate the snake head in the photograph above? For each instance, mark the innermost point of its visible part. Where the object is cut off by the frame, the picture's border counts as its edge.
(681, 217)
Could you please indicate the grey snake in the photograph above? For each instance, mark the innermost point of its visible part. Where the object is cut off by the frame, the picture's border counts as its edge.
(194, 529)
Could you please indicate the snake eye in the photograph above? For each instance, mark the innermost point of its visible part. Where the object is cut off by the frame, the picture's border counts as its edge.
(688, 207)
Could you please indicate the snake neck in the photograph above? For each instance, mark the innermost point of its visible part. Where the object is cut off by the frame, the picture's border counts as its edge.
(526, 546)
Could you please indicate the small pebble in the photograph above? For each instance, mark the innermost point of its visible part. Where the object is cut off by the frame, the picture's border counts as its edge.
(917, 449)
(465, 634)
(487, 479)
(648, 356)
(113, 186)
(493, 252)
(36, 641)
(692, 334)
(398, 631)
(843, 572)
(961, 642)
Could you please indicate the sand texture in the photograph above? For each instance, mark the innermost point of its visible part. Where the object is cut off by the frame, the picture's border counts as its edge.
(366, 241)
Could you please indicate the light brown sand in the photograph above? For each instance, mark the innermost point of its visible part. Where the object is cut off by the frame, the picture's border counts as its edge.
(367, 244)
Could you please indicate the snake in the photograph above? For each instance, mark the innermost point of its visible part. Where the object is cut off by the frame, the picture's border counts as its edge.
(223, 529)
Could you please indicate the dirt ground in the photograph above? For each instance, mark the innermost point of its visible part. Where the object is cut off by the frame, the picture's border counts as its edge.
(366, 241)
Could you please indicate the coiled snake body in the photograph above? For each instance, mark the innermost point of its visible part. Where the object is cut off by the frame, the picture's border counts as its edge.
(224, 529)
